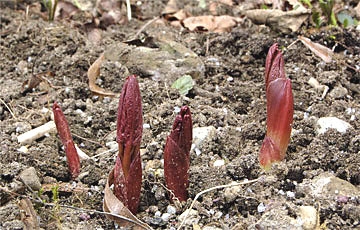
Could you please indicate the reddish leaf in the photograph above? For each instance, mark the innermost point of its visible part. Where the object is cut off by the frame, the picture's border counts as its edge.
(62, 127)
(177, 155)
(127, 171)
(280, 109)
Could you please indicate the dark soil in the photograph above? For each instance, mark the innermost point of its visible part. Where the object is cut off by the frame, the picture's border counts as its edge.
(228, 95)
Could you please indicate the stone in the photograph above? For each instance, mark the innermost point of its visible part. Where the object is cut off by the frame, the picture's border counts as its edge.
(200, 135)
(327, 187)
(326, 123)
(338, 92)
(308, 216)
(30, 178)
(166, 61)
(231, 193)
(192, 217)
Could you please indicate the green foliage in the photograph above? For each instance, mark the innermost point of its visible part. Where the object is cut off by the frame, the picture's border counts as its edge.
(316, 18)
(306, 2)
(55, 193)
(184, 84)
(56, 209)
(264, 7)
(327, 9)
(50, 5)
(346, 20)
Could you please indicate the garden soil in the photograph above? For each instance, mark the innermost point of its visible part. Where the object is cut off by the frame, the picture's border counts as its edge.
(316, 186)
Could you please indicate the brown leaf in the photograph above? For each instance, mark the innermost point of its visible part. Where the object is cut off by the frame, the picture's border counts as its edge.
(170, 8)
(215, 5)
(35, 80)
(357, 10)
(283, 21)
(119, 213)
(211, 23)
(65, 10)
(321, 51)
(93, 73)
(28, 215)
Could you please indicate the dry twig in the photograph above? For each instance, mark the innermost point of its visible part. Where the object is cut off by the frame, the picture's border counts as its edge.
(211, 189)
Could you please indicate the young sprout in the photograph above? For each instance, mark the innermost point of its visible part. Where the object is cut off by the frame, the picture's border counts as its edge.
(177, 154)
(63, 129)
(280, 109)
(127, 170)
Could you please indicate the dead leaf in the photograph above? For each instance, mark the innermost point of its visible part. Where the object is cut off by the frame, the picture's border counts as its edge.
(65, 10)
(214, 6)
(226, 2)
(211, 23)
(321, 51)
(178, 16)
(170, 8)
(110, 11)
(283, 21)
(35, 80)
(93, 73)
(357, 10)
(28, 215)
(120, 214)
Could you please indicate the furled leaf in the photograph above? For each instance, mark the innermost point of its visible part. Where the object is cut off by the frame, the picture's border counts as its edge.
(280, 109)
(177, 154)
(63, 129)
(127, 170)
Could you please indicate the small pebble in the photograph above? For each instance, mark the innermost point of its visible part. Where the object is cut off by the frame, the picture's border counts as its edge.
(22, 127)
(219, 163)
(290, 194)
(261, 208)
(326, 123)
(171, 210)
(157, 214)
(30, 178)
(338, 92)
(23, 149)
(165, 217)
(84, 216)
(342, 199)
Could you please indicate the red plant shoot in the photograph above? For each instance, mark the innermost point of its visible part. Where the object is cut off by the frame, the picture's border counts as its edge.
(280, 109)
(63, 129)
(177, 154)
(127, 170)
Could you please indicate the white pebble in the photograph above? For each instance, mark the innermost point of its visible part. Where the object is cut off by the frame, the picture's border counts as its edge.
(219, 163)
(171, 210)
(261, 208)
(177, 109)
(157, 214)
(23, 149)
(326, 123)
(290, 194)
(165, 217)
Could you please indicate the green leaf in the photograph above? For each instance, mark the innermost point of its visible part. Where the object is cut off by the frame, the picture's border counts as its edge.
(316, 18)
(346, 20)
(183, 84)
